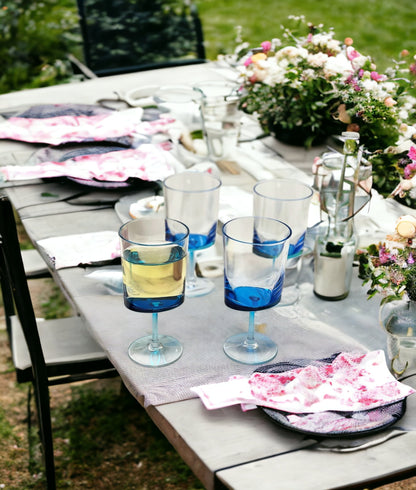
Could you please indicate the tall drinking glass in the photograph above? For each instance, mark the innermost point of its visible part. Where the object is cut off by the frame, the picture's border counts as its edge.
(221, 117)
(255, 252)
(153, 257)
(193, 198)
(287, 200)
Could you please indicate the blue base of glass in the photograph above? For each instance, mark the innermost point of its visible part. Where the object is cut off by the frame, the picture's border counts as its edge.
(155, 354)
(238, 348)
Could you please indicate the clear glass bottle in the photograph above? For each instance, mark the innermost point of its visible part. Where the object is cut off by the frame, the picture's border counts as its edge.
(335, 247)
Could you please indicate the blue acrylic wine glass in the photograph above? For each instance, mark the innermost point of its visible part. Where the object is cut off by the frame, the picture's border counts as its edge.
(287, 200)
(153, 257)
(193, 198)
(255, 253)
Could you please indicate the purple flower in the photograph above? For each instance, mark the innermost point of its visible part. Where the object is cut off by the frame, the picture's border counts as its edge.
(384, 256)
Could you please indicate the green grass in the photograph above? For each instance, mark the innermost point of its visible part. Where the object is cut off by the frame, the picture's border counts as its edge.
(36, 36)
(380, 29)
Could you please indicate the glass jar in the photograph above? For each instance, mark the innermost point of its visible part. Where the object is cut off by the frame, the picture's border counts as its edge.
(398, 318)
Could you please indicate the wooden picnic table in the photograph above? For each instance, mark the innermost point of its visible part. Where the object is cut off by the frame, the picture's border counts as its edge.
(225, 447)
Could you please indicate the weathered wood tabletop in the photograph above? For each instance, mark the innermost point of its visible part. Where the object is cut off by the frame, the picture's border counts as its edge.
(225, 447)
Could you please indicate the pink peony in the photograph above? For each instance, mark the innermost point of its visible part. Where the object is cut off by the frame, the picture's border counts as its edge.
(266, 45)
(352, 53)
(412, 153)
(378, 77)
(248, 61)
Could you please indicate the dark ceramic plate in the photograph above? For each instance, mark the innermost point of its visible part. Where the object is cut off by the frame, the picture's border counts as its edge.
(352, 423)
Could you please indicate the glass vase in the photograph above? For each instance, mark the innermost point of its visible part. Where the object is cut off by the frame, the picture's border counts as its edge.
(398, 318)
(333, 262)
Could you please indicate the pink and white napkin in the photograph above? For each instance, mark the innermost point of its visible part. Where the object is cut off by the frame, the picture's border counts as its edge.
(352, 382)
(81, 128)
(148, 162)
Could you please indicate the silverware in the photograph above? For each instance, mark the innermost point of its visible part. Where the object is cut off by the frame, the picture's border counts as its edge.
(351, 445)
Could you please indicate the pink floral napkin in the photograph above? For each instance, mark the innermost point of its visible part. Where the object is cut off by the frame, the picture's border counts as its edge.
(352, 382)
(148, 162)
(81, 128)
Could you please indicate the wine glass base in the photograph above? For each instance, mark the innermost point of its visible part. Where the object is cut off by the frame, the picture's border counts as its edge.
(155, 354)
(199, 288)
(262, 350)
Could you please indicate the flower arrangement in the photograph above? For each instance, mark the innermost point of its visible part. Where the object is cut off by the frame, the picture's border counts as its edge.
(390, 266)
(311, 85)
(395, 168)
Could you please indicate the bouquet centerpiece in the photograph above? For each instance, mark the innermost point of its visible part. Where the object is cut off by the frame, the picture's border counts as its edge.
(390, 266)
(309, 85)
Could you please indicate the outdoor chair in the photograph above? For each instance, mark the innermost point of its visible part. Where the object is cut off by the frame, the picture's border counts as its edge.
(123, 36)
(45, 352)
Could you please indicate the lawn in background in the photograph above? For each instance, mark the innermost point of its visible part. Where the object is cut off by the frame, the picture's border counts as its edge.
(379, 28)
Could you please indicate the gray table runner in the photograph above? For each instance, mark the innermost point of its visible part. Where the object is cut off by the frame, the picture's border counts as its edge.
(202, 324)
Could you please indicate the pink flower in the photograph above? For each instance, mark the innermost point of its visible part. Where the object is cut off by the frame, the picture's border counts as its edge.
(410, 259)
(409, 169)
(389, 102)
(266, 45)
(412, 153)
(248, 61)
(352, 53)
(384, 256)
(378, 77)
(309, 38)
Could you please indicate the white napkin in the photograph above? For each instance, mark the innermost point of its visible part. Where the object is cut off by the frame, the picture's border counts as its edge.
(353, 382)
(85, 248)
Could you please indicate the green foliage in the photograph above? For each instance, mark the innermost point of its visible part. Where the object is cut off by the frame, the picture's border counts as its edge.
(35, 38)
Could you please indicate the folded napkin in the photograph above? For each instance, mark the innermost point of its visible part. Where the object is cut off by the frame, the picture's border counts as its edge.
(148, 162)
(352, 382)
(85, 248)
(73, 128)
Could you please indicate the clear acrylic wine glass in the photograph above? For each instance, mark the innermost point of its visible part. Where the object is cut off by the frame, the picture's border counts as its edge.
(255, 253)
(287, 200)
(193, 198)
(153, 257)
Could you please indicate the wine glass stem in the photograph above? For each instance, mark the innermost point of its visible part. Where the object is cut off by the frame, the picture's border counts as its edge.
(155, 345)
(250, 335)
(190, 270)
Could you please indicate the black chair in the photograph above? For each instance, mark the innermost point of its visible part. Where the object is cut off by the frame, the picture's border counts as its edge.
(122, 36)
(47, 352)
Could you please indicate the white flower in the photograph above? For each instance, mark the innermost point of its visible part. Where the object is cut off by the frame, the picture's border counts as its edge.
(338, 65)
(359, 62)
(291, 52)
(308, 74)
(276, 43)
(317, 60)
(334, 46)
(321, 39)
